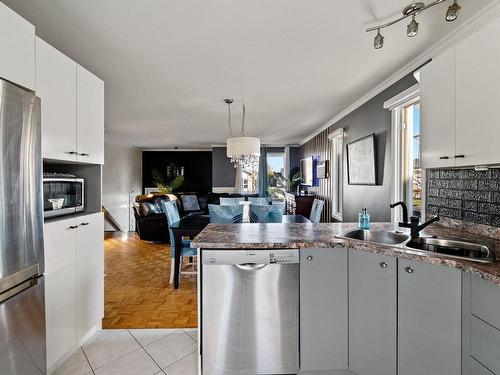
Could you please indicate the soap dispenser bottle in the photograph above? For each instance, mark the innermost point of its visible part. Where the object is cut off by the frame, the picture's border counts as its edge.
(364, 219)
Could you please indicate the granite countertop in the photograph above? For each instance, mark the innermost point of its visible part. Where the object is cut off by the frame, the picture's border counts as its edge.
(272, 236)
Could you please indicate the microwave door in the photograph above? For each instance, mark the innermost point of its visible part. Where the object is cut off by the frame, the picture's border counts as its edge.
(63, 196)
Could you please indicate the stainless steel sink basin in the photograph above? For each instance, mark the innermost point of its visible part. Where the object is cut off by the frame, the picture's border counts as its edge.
(453, 248)
(376, 236)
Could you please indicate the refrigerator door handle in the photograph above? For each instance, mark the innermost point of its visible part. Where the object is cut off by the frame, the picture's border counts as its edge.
(19, 277)
(18, 289)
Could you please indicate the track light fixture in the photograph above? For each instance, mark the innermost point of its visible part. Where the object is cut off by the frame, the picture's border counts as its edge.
(379, 40)
(412, 11)
(452, 12)
(412, 28)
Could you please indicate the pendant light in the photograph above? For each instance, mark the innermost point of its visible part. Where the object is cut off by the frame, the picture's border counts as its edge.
(242, 150)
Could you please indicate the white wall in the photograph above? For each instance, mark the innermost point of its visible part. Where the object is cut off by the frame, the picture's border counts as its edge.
(121, 182)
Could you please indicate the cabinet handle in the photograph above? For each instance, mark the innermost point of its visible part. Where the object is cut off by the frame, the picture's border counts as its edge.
(309, 257)
(444, 157)
(71, 152)
(73, 227)
(383, 264)
(409, 269)
(83, 224)
(459, 156)
(84, 154)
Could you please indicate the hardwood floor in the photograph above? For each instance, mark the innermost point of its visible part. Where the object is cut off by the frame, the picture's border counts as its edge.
(137, 289)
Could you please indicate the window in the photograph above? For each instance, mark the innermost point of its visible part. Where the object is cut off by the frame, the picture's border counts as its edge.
(406, 154)
(412, 171)
(337, 145)
(276, 181)
(249, 179)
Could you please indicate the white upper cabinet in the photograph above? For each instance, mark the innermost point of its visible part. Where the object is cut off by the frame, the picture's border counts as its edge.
(72, 108)
(17, 41)
(437, 90)
(460, 94)
(90, 117)
(478, 97)
(56, 86)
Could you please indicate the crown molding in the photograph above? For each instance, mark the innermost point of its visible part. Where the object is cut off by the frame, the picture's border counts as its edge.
(471, 25)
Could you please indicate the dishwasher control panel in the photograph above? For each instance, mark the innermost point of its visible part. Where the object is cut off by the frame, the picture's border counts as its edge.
(283, 256)
(257, 256)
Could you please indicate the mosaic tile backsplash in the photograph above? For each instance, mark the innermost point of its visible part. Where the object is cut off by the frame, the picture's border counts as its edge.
(465, 194)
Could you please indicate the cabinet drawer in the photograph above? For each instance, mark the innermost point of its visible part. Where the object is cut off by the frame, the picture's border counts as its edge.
(485, 344)
(485, 301)
(477, 368)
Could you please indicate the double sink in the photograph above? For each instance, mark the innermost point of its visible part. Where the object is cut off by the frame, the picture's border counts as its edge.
(471, 251)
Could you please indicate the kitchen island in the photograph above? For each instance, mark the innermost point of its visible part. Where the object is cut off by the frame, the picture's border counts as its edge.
(380, 309)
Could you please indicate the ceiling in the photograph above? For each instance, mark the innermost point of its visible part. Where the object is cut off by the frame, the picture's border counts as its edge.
(168, 65)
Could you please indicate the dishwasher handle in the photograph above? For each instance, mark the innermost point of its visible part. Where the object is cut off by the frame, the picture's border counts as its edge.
(250, 266)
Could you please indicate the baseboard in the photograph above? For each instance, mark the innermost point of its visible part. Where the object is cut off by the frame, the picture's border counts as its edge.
(73, 349)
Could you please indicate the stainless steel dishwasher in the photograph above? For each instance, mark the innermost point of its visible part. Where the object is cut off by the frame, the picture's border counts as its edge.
(250, 312)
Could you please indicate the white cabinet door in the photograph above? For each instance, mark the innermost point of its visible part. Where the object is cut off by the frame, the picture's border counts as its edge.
(60, 287)
(429, 319)
(372, 313)
(90, 117)
(437, 95)
(17, 42)
(478, 97)
(323, 309)
(56, 86)
(90, 273)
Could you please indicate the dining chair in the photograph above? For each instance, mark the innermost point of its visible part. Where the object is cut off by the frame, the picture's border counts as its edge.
(220, 214)
(259, 201)
(224, 201)
(316, 209)
(266, 213)
(173, 217)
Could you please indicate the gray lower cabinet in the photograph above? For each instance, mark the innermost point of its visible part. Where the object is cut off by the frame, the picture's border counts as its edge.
(477, 368)
(372, 313)
(429, 319)
(323, 309)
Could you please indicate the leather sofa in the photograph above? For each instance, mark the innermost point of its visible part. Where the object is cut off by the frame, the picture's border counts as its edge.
(150, 218)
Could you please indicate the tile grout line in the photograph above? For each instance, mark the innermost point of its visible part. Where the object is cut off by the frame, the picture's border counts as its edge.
(173, 363)
(85, 355)
(117, 358)
(143, 348)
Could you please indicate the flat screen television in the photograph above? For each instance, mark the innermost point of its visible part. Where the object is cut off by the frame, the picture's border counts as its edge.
(307, 171)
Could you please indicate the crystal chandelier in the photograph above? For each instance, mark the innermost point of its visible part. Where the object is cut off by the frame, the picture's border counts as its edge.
(242, 150)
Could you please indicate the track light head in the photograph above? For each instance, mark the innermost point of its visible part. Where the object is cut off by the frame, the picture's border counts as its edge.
(412, 28)
(378, 42)
(452, 12)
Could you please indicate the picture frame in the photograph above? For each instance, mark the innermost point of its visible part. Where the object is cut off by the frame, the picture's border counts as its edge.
(361, 163)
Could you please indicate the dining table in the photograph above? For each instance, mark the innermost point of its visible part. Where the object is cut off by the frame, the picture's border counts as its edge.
(191, 225)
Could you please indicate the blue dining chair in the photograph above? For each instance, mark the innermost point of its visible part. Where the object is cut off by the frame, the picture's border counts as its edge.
(226, 214)
(230, 201)
(266, 213)
(259, 201)
(173, 217)
(316, 209)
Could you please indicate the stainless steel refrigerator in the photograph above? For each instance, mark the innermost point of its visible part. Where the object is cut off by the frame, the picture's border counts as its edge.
(22, 304)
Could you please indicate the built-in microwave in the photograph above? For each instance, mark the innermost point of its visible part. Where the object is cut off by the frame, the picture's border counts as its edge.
(63, 194)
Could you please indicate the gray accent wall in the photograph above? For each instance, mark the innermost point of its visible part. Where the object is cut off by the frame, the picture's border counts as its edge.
(223, 171)
(370, 118)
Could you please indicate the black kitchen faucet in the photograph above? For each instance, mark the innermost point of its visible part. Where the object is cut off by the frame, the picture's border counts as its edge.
(414, 224)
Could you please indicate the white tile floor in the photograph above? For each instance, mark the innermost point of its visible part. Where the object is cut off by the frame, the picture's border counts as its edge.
(136, 352)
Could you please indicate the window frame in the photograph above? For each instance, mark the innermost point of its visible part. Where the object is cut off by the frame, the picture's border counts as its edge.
(336, 140)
